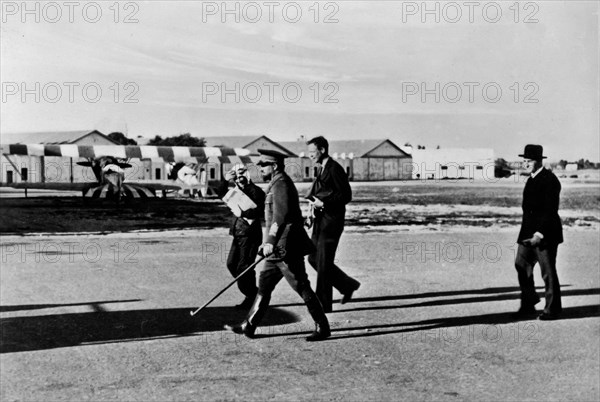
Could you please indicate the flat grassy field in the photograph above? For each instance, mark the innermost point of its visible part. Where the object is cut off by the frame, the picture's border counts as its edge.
(377, 203)
(583, 196)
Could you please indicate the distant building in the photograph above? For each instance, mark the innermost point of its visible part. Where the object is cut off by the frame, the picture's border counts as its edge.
(453, 163)
(363, 160)
(40, 169)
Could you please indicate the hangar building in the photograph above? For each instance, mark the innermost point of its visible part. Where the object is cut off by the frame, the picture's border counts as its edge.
(41, 169)
(363, 160)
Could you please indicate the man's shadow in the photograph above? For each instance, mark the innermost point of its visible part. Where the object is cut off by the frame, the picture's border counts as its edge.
(27, 333)
(488, 295)
(408, 296)
(94, 305)
(468, 300)
(485, 319)
(424, 326)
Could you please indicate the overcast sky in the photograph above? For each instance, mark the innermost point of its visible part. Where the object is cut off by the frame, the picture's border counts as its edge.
(361, 68)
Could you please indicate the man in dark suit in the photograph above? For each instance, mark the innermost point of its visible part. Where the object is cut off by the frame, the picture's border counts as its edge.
(247, 234)
(540, 235)
(285, 243)
(329, 194)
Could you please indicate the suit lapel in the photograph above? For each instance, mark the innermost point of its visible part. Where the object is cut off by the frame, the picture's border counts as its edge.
(326, 169)
(321, 177)
(320, 171)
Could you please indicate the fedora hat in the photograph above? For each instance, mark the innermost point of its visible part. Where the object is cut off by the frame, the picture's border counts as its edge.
(533, 152)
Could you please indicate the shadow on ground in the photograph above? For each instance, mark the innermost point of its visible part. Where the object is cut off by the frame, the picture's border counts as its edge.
(74, 214)
(427, 325)
(467, 300)
(28, 333)
(487, 295)
(485, 291)
(94, 305)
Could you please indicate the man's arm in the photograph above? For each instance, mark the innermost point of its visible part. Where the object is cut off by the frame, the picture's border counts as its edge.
(258, 196)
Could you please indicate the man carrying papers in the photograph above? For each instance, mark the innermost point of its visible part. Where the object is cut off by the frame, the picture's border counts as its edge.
(247, 202)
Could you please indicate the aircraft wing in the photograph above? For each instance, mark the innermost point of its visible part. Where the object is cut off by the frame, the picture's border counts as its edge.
(168, 154)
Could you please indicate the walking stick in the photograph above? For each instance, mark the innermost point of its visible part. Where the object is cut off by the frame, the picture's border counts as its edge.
(193, 313)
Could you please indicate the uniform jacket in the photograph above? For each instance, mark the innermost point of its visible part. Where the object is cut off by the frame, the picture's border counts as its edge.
(284, 223)
(240, 226)
(331, 187)
(540, 208)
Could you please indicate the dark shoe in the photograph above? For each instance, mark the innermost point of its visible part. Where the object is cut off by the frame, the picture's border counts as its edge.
(315, 309)
(525, 312)
(348, 295)
(320, 333)
(245, 328)
(257, 310)
(548, 316)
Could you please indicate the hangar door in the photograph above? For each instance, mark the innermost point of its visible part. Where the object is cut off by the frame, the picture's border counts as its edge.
(390, 169)
(375, 169)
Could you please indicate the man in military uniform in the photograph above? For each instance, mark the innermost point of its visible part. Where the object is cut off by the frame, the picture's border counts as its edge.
(247, 234)
(329, 194)
(285, 243)
(540, 235)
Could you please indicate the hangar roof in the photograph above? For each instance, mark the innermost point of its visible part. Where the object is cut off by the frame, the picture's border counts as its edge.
(360, 148)
(55, 137)
(249, 142)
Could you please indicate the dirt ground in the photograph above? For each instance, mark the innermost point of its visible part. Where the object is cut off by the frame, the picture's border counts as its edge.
(106, 316)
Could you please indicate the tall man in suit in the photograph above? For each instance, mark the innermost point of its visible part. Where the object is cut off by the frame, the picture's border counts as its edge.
(540, 235)
(329, 194)
(285, 243)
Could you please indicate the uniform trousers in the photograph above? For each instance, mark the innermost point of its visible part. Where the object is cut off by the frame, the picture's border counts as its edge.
(293, 271)
(295, 274)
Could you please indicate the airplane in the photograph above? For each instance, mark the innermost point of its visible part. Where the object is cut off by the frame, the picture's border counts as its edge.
(108, 162)
(110, 175)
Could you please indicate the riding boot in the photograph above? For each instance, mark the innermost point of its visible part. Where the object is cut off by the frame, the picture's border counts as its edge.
(255, 315)
(322, 330)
